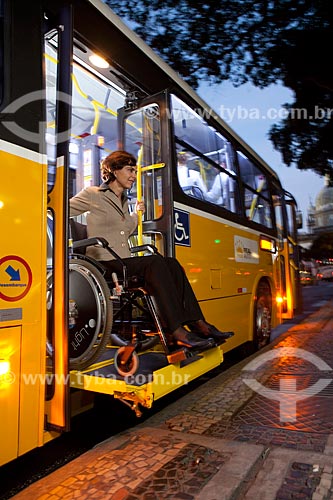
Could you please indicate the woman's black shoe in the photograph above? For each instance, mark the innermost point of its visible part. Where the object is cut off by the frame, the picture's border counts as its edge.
(187, 339)
(205, 330)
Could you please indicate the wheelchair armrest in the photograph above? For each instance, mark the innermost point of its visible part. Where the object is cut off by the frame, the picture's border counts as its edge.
(87, 242)
(97, 241)
(141, 248)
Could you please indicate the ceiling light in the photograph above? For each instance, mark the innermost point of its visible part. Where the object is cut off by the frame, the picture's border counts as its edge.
(98, 61)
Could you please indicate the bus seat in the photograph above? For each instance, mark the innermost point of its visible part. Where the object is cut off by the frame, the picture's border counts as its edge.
(78, 230)
(194, 191)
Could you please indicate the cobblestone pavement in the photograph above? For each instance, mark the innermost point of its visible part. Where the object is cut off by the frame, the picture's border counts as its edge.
(225, 440)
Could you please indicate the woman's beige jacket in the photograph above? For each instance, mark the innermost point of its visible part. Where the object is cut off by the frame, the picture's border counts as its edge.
(108, 217)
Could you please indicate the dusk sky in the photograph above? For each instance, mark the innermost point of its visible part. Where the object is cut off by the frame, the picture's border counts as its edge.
(246, 109)
(233, 104)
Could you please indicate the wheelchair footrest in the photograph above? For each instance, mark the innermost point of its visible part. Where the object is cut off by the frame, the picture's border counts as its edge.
(178, 355)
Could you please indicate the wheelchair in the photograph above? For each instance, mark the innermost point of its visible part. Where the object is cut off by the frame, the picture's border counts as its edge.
(116, 313)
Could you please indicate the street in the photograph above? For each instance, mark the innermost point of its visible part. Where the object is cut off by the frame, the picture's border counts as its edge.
(260, 429)
(102, 425)
(314, 296)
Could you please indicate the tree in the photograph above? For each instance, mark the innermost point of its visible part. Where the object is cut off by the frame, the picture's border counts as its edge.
(256, 41)
(322, 247)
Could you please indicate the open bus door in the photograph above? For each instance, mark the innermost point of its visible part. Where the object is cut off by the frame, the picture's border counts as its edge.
(58, 94)
(144, 132)
(288, 255)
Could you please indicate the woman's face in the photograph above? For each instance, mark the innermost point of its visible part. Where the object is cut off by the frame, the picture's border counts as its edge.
(126, 176)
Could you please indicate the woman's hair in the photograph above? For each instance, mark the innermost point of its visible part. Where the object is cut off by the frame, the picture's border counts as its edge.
(115, 161)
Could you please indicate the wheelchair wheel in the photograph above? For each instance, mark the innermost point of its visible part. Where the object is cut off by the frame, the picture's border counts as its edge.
(90, 314)
(130, 366)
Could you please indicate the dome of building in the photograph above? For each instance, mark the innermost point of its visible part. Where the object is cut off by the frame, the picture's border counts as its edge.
(320, 213)
(324, 198)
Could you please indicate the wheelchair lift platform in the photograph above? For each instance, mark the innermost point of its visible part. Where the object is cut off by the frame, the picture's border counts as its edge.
(155, 378)
(134, 377)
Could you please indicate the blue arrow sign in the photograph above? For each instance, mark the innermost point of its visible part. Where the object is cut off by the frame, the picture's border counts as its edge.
(14, 275)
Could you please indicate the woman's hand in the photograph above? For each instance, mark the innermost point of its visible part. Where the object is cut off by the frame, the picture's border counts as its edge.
(139, 207)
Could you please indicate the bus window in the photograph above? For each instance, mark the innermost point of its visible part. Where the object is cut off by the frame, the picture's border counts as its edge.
(257, 199)
(94, 118)
(95, 102)
(223, 187)
(279, 218)
(192, 129)
(50, 75)
(291, 221)
(143, 140)
(94, 124)
(204, 166)
(192, 174)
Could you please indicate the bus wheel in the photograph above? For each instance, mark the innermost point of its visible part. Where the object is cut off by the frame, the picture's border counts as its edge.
(130, 366)
(262, 316)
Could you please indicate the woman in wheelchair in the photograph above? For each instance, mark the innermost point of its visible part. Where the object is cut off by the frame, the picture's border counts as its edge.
(164, 279)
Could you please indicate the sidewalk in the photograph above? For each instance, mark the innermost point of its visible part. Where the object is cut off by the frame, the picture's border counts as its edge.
(225, 440)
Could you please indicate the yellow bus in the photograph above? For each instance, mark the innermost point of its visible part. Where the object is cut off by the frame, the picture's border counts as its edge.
(77, 84)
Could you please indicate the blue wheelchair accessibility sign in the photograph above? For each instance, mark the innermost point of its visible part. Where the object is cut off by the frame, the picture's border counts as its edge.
(182, 228)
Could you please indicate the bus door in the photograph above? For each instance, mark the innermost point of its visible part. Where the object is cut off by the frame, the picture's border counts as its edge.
(286, 268)
(293, 224)
(144, 132)
(57, 63)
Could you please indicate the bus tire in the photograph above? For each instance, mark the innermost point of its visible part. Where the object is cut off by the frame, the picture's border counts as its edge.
(90, 314)
(262, 316)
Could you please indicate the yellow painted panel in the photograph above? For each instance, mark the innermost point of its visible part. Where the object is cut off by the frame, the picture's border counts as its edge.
(23, 219)
(10, 339)
(23, 281)
(32, 390)
(223, 279)
(56, 409)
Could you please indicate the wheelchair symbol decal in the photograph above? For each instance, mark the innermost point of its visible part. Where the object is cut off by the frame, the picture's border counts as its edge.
(182, 228)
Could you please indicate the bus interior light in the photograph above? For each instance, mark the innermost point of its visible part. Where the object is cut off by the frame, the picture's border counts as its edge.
(100, 141)
(98, 61)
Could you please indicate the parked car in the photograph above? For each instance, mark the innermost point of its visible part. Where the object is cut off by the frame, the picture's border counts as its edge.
(307, 278)
(325, 273)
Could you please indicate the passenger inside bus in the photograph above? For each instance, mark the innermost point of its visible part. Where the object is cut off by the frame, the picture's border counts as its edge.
(189, 179)
(222, 191)
(165, 280)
